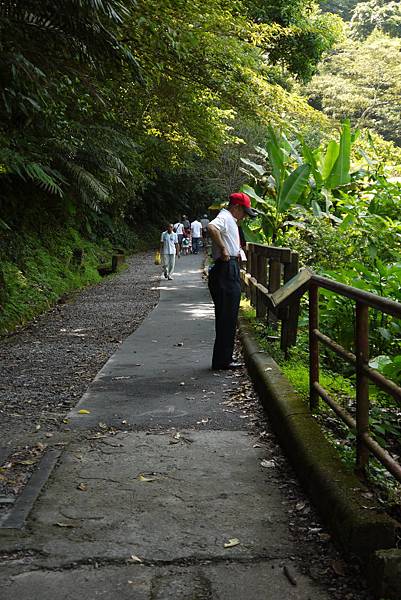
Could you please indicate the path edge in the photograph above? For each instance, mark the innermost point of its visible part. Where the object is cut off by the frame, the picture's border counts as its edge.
(356, 523)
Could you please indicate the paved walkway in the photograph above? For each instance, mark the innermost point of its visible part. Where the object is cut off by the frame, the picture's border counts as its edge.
(145, 513)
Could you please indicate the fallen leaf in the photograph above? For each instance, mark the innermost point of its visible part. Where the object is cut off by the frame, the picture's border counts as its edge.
(269, 464)
(135, 559)
(82, 487)
(25, 462)
(338, 567)
(83, 411)
(290, 576)
(300, 505)
(176, 438)
(232, 542)
(65, 525)
(142, 477)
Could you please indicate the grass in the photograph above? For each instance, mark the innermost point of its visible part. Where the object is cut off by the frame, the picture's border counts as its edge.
(47, 268)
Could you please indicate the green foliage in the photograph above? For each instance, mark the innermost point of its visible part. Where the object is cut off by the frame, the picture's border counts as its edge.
(361, 81)
(47, 270)
(380, 15)
(171, 77)
(343, 8)
(299, 175)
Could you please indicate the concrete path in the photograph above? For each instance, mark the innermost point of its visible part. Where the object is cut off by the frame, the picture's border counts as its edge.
(148, 513)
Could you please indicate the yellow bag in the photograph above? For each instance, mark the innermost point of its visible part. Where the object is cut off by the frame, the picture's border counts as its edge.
(157, 257)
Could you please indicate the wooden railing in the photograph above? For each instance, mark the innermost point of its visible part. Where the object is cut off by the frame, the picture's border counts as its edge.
(280, 300)
(268, 268)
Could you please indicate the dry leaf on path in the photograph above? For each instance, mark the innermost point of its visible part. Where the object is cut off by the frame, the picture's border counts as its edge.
(82, 487)
(338, 567)
(288, 573)
(84, 411)
(232, 542)
(145, 479)
(135, 559)
(70, 525)
(269, 464)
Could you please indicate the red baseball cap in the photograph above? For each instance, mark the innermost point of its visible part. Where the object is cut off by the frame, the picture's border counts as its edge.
(241, 199)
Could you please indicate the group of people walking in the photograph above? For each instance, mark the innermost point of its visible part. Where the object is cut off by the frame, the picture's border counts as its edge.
(182, 238)
(224, 275)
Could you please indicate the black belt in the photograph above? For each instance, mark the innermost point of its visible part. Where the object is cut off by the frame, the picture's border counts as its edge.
(220, 260)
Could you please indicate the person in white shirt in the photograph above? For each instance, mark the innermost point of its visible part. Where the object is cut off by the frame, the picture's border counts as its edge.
(179, 229)
(169, 249)
(224, 276)
(196, 231)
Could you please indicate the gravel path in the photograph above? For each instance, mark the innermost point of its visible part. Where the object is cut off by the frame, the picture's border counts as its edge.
(45, 368)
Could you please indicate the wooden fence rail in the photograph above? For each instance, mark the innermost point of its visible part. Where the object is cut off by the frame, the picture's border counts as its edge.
(284, 303)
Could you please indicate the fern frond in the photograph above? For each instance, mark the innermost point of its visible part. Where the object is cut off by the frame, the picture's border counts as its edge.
(88, 186)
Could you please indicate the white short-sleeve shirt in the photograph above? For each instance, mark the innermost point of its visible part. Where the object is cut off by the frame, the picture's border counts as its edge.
(169, 240)
(179, 228)
(227, 225)
(196, 229)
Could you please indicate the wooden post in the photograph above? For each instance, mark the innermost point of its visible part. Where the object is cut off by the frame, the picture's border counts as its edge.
(261, 276)
(252, 260)
(274, 284)
(362, 384)
(289, 325)
(313, 345)
(116, 261)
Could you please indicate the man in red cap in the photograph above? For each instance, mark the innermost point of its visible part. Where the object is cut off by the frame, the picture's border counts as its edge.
(224, 276)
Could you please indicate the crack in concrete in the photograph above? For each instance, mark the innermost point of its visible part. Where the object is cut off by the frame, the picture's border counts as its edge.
(193, 561)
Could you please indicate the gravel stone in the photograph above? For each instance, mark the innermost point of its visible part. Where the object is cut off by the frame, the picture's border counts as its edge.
(46, 367)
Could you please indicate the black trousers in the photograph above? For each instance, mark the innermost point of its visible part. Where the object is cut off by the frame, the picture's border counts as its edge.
(225, 289)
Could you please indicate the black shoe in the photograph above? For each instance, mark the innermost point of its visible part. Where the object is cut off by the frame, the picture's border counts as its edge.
(231, 366)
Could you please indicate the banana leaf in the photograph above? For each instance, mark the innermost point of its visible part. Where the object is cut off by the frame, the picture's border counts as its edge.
(275, 158)
(293, 187)
(340, 173)
(260, 169)
(247, 189)
(254, 236)
(330, 158)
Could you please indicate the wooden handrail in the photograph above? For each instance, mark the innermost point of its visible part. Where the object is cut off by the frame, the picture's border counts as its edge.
(280, 299)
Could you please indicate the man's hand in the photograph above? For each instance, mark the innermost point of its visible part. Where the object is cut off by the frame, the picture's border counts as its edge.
(216, 238)
(225, 255)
